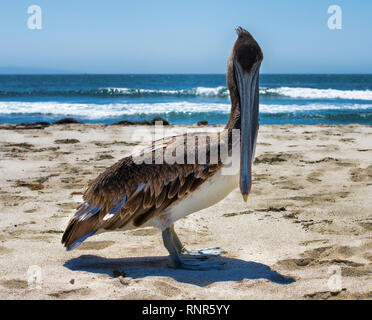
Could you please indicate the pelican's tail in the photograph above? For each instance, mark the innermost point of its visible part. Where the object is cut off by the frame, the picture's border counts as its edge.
(83, 225)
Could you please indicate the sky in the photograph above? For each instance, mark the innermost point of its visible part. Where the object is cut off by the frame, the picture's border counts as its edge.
(169, 36)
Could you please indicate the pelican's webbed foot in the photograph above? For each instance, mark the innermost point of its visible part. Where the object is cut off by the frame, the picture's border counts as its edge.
(189, 259)
(202, 253)
(198, 253)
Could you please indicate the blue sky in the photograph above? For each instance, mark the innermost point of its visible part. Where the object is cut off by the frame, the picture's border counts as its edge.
(118, 36)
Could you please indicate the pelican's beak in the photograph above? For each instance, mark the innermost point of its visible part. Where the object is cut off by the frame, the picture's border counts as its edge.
(249, 107)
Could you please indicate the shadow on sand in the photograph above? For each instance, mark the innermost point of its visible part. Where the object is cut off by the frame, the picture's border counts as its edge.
(233, 269)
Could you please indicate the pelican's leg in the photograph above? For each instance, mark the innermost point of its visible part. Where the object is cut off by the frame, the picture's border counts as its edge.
(177, 242)
(198, 253)
(177, 258)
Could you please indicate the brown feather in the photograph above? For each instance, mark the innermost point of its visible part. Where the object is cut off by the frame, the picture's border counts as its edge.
(175, 186)
(185, 187)
(77, 229)
(159, 200)
(148, 199)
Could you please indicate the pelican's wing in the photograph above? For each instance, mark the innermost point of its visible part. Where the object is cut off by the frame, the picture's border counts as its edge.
(131, 192)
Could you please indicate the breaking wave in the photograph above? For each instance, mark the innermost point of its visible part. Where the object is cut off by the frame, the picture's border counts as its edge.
(220, 92)
(123, 92)
(113, 110)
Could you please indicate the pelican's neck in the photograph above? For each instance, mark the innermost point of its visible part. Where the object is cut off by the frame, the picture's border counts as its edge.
(234, 120)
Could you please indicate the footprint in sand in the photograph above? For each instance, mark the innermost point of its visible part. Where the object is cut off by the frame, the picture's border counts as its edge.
(361, 175)
(166, 289)
(95, 245)
(314, 177)
(66, 141)
(330, 256)
(14, 284)
(275, 158)
(64, 294)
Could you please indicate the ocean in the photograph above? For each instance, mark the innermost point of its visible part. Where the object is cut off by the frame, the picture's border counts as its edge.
(183, 99)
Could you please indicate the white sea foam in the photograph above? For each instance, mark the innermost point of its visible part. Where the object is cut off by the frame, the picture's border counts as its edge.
(198, 91)
(291, 92)
(218, 91)
(310, 93)
(278, 108)
(97, 111)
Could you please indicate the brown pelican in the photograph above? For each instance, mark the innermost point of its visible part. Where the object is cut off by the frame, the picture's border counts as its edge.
(131, 194)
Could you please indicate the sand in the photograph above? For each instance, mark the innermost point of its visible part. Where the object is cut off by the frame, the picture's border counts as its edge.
(305, 232)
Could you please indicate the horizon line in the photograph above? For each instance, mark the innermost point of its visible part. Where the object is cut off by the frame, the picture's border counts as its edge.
(148, 74)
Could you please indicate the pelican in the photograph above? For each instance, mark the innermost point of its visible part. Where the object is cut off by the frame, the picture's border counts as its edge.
(130, 194)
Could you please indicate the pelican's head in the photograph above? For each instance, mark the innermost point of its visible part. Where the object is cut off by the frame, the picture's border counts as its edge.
(246, 60)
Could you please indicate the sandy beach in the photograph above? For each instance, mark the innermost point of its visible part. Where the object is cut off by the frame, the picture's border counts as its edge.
(305, 232)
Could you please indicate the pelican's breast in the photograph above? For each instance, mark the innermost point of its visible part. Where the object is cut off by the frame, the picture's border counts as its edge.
(209, 193)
